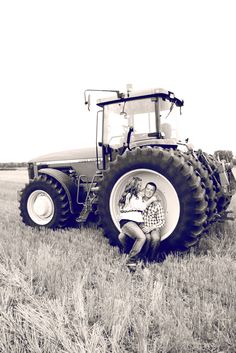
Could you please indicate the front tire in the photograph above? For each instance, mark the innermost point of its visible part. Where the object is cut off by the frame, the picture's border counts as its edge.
(44, 203)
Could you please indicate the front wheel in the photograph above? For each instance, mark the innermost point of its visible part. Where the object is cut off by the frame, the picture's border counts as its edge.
(44, 203)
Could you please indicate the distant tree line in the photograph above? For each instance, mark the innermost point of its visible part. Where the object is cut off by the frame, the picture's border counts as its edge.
(224, 155)
(12, 165)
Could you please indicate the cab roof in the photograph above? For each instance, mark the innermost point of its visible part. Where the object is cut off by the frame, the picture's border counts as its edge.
(136, 95)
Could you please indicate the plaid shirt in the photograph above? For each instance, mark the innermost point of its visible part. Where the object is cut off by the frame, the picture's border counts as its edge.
(154, 215)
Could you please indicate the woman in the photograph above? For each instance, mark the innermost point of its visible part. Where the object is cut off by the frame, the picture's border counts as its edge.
(132, 206)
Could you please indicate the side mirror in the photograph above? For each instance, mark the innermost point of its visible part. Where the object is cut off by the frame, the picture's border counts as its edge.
(88, 102)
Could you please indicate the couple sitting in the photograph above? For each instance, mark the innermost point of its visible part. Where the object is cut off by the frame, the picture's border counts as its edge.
(141, 217)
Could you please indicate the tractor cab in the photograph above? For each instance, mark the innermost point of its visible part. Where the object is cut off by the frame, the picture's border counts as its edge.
(144, 118)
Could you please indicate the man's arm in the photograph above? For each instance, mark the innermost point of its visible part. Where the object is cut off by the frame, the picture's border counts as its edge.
(159, 216)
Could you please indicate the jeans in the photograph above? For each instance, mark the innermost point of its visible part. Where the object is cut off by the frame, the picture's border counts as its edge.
(152, 244)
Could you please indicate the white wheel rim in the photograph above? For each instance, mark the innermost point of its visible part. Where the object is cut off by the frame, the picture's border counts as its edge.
(40, 207)
(165, 191)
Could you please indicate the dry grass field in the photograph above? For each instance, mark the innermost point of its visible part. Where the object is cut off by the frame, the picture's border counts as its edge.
(69, 291)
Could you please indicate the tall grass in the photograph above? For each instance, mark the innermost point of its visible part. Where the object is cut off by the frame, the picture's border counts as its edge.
(69, 291)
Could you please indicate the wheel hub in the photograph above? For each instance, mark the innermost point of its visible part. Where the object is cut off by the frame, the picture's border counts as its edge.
(165, 192)
(40, 207)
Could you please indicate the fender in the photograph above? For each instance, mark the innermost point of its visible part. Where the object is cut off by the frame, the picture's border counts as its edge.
(69, 187)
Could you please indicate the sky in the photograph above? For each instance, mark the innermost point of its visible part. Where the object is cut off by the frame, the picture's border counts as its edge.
(51, 51)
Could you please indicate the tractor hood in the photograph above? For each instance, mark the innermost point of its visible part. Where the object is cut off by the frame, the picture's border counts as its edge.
(66, 156)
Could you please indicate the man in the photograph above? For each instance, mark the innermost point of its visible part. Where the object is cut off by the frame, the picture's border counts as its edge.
(154, 220)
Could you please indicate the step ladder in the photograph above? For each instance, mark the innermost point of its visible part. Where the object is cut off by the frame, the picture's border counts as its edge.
(91, 196)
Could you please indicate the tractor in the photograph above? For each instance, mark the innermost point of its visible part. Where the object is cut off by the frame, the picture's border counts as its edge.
(135, 136)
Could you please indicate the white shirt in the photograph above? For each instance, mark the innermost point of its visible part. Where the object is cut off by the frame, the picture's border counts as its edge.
(133, 208)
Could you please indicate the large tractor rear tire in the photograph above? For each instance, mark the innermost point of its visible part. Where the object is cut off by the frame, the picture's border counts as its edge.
(208, 184)
(44, 203)
(179, 188)
(222, 199)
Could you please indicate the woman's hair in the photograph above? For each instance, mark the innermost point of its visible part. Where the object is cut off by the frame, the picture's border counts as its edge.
(131, 188)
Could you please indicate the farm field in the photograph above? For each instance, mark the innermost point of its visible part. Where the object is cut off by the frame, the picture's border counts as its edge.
(69, 291)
